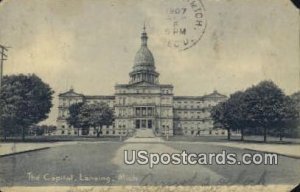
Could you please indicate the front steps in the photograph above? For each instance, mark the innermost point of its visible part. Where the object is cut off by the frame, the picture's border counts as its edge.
(144, 136)
(144, 133)
(144, 140)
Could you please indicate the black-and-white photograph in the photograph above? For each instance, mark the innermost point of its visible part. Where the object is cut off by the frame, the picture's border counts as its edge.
(141, 95)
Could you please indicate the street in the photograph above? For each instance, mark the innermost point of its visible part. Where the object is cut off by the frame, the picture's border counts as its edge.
(93, 163)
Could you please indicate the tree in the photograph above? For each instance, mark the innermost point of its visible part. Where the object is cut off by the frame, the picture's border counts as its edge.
(237, 113)
(99, 114)
(262, 106)
(83, 115)
(290, 115)
(296, 100)
(24, 100)
(295, 97)
(218, 113)
(7, 114)
(267, 106)
(230, 114)
(73, 119)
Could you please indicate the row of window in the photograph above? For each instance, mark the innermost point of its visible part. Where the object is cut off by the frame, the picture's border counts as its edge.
(107, 132)
(164, 91)
(192, 106)
(68, 102)
(193, 117)
(111, 102)
(144, 111)
(186, 132)
(197, 124)
(194, 102)
(198, 132)
(192, 114)
(144, 100)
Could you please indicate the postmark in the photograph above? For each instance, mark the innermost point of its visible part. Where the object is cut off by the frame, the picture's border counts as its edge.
(186, 24)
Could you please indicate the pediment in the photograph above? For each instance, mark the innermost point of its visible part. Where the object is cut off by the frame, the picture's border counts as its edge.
(70, 94)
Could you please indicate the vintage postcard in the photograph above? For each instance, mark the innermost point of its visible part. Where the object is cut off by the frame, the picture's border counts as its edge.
(149, 95)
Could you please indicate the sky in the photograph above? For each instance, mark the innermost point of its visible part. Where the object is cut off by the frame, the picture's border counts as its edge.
(90, 45)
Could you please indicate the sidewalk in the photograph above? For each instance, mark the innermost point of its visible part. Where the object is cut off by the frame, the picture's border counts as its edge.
(12, 148)
(291, 150)
(281, 149)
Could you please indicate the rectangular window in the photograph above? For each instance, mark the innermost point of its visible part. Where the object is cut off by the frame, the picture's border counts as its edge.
(143, 123)
(137, 124)
(138, 112)
(150, 111)
(144, 111)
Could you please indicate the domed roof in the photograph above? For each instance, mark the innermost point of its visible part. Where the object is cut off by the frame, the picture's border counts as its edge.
(144, 58)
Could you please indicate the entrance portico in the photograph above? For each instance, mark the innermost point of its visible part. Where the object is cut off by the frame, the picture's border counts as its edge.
(144, 117)
(144, 123)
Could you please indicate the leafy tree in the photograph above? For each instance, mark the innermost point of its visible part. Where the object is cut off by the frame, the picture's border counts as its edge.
(24, 100)
(290, 116)
(237, 113)
(231, 114)
(267, 106)
(296, 100)
(219, 115)
(73, 118)
(262, 106)
(99, 114)
(83, 115)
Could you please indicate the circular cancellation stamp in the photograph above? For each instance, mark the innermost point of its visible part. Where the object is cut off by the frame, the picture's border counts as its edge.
(186, 24)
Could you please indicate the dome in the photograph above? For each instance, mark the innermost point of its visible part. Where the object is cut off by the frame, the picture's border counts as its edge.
(144, 67)
(144, 58)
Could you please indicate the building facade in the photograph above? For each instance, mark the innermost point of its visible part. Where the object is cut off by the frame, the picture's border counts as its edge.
(145, 104)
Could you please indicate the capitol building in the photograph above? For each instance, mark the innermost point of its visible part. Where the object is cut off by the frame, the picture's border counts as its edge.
(145, 106)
